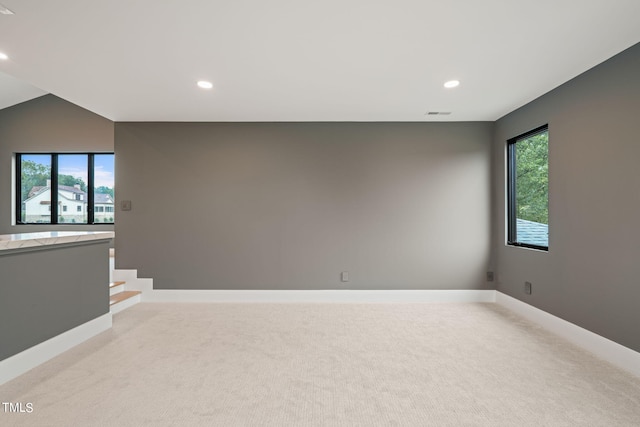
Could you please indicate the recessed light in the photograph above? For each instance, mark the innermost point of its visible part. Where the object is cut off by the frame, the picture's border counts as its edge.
(205, 84)
(4, 56)
(451, 83)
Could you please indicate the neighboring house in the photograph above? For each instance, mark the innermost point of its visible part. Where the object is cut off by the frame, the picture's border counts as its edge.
(531, 232)
(37, 207)
(72, 203)
(103, 208)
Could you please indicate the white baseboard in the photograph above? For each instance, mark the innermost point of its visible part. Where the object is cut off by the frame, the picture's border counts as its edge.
(604, 348)
(149, 294)
(317, 296)
(28, 359)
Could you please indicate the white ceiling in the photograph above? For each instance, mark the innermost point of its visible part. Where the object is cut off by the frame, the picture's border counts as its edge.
(297, 60)
(14, 91)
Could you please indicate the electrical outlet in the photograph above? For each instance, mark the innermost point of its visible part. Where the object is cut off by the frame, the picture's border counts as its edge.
(489, 276)
(527, 288)
(344, 276)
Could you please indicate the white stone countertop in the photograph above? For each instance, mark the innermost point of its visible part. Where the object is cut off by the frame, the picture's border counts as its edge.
(47, 238)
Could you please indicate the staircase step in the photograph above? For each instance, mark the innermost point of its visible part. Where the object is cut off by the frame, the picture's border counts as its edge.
(122, 300)
(116, 287)
(121, 296)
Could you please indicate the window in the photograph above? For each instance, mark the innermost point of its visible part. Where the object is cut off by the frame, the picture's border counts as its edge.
(81, 180)
(528, 189)
(34, 177)
(103, 187)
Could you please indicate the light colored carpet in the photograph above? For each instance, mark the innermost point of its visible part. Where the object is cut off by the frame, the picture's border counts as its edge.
(324, 364)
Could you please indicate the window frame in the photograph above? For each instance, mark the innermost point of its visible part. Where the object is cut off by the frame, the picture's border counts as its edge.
(512, 234)
(54, 209)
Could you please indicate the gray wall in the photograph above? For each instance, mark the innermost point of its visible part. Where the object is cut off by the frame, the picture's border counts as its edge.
(590, 276)
(47, 124)
(291, 205)
(48, 291)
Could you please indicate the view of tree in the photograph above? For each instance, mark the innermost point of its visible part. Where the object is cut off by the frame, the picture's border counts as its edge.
(104, 190)
(36, 175)
(33, 175)
(532, 179)
(70, 180)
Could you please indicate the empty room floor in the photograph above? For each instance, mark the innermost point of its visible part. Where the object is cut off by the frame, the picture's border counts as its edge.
(324, 364)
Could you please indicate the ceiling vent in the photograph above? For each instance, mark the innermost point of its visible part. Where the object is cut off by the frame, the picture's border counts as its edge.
(438, 113)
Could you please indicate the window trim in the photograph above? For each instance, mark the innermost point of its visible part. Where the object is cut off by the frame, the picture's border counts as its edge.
(511, 190)
(54, 209)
